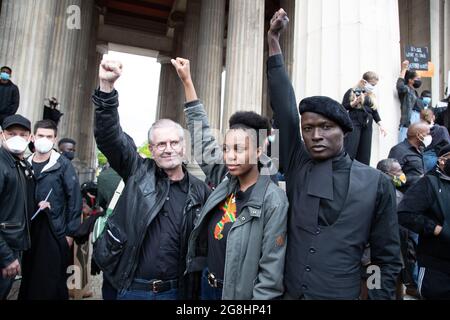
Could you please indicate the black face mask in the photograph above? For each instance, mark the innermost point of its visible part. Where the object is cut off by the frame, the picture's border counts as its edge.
(447, 168)
(69, 155)
(417, 84)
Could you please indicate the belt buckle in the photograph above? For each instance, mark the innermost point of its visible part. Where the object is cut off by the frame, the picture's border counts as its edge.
(212, 280)
(155, 285)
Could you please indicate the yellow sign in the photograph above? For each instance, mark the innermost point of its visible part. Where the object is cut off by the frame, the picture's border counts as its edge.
(429, 73)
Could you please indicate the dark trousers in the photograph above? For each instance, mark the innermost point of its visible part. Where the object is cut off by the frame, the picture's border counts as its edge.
(108, 291)
(434, 284)
(44, 272)
(208, 292)
(358, 144)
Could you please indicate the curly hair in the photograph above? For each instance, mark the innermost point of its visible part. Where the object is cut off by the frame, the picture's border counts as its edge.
(246, 120)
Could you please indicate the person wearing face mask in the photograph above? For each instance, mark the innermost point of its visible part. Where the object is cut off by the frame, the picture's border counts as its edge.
(440, 137)
(409, 153)
(17, 187)
(67, 147)
(424, 102)
(9, 94)
(407, 276)
(407, 85)
(52, 231)
(361, 104)
(425, 209)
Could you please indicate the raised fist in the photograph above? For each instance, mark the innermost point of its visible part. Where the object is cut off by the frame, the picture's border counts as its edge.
(183, 68)
(279, 22)
(110, 71)
(405, 65)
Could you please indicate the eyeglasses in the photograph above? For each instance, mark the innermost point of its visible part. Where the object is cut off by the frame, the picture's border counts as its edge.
(162, 146)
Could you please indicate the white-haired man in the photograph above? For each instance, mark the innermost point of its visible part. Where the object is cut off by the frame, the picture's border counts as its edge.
(142, 251)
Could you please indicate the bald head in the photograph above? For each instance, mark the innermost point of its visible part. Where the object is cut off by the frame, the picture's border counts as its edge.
(422, 128)
(417, 134)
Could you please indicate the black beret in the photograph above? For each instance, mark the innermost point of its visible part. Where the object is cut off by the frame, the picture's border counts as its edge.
(444, 150)
(328, 108)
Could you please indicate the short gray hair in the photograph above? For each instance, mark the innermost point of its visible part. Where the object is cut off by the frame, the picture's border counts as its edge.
(164, 123)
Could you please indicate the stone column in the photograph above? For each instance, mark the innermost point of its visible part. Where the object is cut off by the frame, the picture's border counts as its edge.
(337, 41)
(80, 86)
(191, 35)
(61, 66)
(287, 39)
(435, 48)
(26, 29)
(210, 58)
(447, 45)
(87, 146)
(168, 88)
(245, 51)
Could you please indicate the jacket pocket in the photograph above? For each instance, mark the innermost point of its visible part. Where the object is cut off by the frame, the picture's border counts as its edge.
(14, 234)
(109, 248)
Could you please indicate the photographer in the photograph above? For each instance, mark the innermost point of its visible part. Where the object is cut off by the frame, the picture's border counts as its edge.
(51, 111)
(361, 103)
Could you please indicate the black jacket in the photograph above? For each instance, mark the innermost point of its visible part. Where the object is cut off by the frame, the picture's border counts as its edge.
(146, 187)
(14, 225)
(60, 176)
(324, 262)
(424, 206)
(360, 116)
(9, 100)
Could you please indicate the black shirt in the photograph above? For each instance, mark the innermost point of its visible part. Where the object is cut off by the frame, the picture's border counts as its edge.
(410, 160)
(220, 225)
(330, 209)
(38, 167)
(160, 253)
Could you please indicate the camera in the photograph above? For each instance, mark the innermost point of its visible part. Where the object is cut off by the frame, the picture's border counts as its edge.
(358, 91)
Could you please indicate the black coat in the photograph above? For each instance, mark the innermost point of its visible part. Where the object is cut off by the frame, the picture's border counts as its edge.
(146, 188)
(424, 206)
(9, 100)
(14, 225)
(324, 261)
(60, 176)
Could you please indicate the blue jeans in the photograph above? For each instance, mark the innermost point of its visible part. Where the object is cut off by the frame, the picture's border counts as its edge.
(147, 295)
(208, 292)
(415, 117)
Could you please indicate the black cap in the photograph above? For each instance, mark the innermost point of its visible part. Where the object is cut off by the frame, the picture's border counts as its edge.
(328, 108)
(16, 120)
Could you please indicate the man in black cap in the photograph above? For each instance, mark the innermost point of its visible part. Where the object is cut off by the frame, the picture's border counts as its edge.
(337, 206)
(16, 199)
(425, 209)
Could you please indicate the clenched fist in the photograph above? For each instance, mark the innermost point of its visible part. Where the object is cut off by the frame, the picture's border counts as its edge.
(109, 72)
(183, 69)
(279, 22)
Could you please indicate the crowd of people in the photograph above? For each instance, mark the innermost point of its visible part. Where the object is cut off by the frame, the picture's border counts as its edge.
(340, 230)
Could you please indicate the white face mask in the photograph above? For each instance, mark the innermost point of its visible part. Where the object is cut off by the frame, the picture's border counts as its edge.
(43, 145)
(16, 145)
(369, 88)
(427, 141)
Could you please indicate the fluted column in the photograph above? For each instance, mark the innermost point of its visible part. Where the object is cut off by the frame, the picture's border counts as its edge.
(26, 29)
(87, 146)
(447, 44)
(168, 91)
(210, 56)
(287, 39)
(80, 86)
(336, 41)
(61, 67)
(245, 50)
